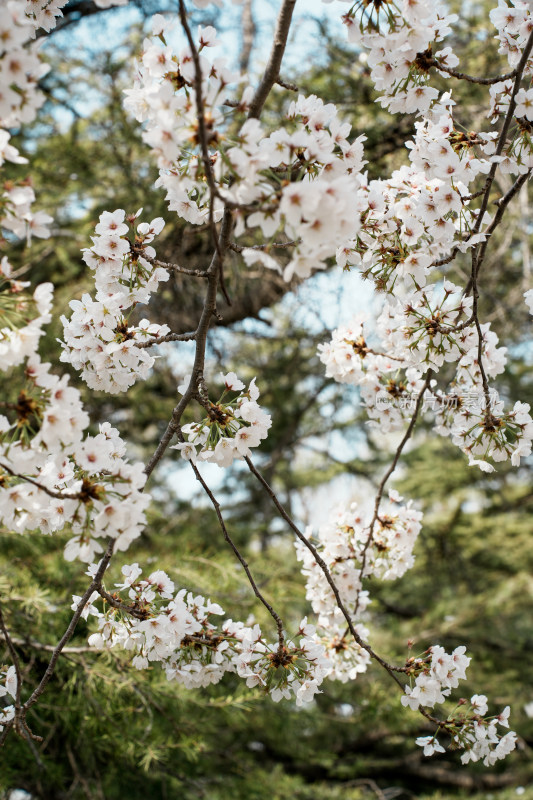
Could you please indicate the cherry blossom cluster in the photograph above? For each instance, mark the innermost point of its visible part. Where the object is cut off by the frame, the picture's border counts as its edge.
(53, 478)
(294, 670)
(353, 547)
(44, 14)
(100, 341)
(423, 211)
(479, 736)
(429, 331)
(20, 71)
(401, 48)
(495, 434)
(230, 428)
(8, 686)
(385, 381)
(193, 649)
(313, 206)
(424, 329)
(436, 674)
(513, 22)
(20, 66)
(22, 316)
(517, 156)
(164, 98)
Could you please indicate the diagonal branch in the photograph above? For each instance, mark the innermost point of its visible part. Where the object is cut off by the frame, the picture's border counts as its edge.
(229, 540)
(95, 583)
(327, 574)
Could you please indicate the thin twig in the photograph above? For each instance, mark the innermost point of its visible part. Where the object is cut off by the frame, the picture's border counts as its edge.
(95, 583)
(394, 464)
(130, 608)
(45, 489)
(192, 273)
(20, 719)
(202, 134)
(208, 311)
(478, 252)
(462, 76)
(49, 648)
(446, 260)
(503, 133)
(291, 87)
(502, 204)
(240, 557)
(237, 248)
(169, 337)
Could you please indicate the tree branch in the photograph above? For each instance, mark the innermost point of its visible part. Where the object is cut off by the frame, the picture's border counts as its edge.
(394, 464)
(323, 566)
(271, 74)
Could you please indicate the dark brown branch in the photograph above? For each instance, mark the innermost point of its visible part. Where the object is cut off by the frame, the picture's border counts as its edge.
(502, 204)
(130, 608)
(478, 252)
(208, 311)
(271, 74)
(19, 722)
(462, 76)
(503, 133)
(221, 244)
(193, 273)
(446, 260)
(237, 248)
(291, 87)
(93, 586)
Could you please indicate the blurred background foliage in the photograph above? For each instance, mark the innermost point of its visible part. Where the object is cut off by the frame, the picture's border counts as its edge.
(111, 732)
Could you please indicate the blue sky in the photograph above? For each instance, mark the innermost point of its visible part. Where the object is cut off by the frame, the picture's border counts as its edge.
(97, 31)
